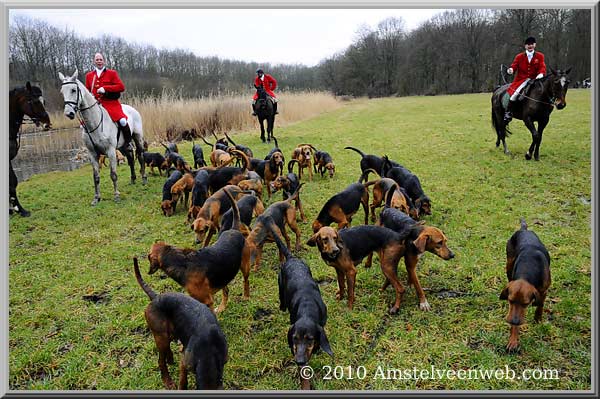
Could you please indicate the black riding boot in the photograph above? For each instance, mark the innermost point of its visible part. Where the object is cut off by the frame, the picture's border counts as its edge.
(126, 131)
(253, 110)
(508, 112)
(275, 108)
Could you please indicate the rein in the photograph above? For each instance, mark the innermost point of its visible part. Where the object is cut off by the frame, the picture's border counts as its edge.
(552, 99)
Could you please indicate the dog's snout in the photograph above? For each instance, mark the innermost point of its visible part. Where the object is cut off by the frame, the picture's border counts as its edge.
(451, 255)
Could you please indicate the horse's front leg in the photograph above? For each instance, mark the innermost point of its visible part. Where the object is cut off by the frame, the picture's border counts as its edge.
(12, 192)
(112, 157)
(96, 171)
(541, 126)
(270, 124)
(534, 137)
(262, 129)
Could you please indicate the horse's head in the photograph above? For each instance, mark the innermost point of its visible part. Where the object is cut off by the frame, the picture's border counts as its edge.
(71, 93)
(559, 81)
(31, 104)
(262, 93)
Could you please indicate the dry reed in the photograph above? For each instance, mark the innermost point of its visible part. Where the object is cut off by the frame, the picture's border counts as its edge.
(165, 117)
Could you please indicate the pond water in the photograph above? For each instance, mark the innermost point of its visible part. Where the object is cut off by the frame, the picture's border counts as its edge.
(48, 151)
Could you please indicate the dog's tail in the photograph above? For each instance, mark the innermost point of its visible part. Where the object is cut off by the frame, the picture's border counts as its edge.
(136, 268)
(229, 138)
(362, 154)
(523, 224)
(236, 212)
(390, 194)
(291, 165)
(365, 174)
(270, 225)
(294, 196)
(243, 156)
(206, 142)
(275, 140)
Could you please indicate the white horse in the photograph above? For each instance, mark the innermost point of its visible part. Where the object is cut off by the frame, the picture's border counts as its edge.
(100, 132)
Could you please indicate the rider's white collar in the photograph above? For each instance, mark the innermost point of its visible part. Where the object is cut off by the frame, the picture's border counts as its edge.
(99, 71)
(529, 54)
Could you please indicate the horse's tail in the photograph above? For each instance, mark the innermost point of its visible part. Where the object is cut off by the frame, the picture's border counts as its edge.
(291, 165)
(362, 154)
(274, 139)
(136, 268)
(495, 124)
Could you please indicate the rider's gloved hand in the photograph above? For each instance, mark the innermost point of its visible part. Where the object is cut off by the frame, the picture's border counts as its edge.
(101, 90)
(539, 76)
(509, 71)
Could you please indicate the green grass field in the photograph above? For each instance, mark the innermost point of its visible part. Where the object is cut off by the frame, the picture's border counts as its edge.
(68, 251)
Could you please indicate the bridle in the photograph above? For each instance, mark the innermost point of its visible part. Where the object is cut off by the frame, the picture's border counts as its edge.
(75, 106)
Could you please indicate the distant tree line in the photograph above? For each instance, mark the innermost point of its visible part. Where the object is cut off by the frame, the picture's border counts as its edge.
(458, 51)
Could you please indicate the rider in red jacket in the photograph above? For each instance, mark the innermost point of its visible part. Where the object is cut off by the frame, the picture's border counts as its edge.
(529, 65)
(105, 85)
(269, 83)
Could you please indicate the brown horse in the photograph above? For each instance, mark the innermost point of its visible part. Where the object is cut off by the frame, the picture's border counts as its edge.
(544, 94)
(23, 101)
(265, 110)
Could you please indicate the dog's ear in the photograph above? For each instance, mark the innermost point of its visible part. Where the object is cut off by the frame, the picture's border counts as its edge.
(536, 298)
(324, 342)
(504, 294)
(312, 241)
(421, 242)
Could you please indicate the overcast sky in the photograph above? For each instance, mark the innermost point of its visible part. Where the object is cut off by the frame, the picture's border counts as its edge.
(290, 36)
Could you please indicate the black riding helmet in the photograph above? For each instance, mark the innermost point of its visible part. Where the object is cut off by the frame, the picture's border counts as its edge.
(259, 71)
(530, 40)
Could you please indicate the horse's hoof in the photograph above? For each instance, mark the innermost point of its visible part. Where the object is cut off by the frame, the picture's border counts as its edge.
(144, 181)
(132, 181)
(95, 201)
(528, 156)
(117, 198)
(24, 213)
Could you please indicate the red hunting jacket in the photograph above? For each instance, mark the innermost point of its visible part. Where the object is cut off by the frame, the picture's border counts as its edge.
(269, 83)
(525, 69)
(109, 79)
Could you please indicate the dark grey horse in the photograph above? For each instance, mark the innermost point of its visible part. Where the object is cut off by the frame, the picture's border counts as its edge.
(538, 102)
(264, 110)
(23, 101)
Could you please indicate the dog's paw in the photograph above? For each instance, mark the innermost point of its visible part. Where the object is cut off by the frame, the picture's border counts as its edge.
(424, 306)
(512, 346)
